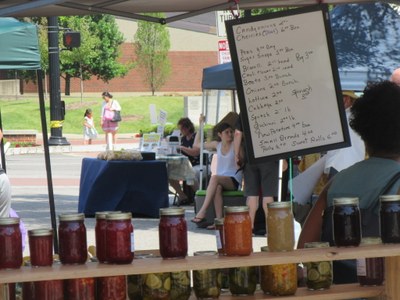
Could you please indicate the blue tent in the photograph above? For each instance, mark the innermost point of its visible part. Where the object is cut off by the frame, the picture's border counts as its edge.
(219, 77)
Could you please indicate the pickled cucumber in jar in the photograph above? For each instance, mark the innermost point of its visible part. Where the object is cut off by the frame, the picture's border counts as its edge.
(135, 287)
(283, 279)
(156, 286)
(207, 283)
(242, 280)
(180, 285)
(319, 274)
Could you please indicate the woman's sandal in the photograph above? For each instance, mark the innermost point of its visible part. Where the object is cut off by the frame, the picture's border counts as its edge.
(197, 220)
(210, 227)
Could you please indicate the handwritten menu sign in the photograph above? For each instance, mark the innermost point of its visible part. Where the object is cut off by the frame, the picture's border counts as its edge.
(288, 84)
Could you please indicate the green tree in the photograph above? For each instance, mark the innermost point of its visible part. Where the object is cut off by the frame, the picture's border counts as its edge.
(151, 47)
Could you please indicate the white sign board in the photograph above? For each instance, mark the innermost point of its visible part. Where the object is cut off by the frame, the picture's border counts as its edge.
(222, 16)
(224, 55)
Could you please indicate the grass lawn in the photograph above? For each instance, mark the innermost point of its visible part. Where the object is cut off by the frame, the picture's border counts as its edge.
(24, 113)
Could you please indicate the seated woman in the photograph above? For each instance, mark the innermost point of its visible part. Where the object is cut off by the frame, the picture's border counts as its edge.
(375, 117)
(226, 178)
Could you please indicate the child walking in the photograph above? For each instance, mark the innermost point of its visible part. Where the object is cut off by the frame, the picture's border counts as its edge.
(89, 131)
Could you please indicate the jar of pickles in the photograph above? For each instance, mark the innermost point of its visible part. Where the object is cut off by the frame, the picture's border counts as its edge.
(237, 231)
(72, 239)
(49, 290)
(80, 289)
(111, 288)
(346, 222)
(206, 283)
(180, 285)
(242, 280)
(156, 286)
(41, 247)
(370, 271)
(219, 235)
(390, 218)
(172, 231)
(119, 234)
(280, 224)
(319, 274)
(10, 243)
(100, 235)
(135, 283)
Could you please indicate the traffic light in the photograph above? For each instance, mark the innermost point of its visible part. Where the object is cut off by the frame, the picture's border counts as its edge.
(72, 39)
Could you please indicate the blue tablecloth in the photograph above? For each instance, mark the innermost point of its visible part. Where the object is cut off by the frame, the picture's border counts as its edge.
(140, 187)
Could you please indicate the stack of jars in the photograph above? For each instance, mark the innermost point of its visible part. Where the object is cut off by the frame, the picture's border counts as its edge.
(279, 280)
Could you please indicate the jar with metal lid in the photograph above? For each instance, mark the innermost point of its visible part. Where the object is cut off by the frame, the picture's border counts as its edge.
(237, 231)
(156, 286)
(280, 224)
(219, 235)
(370, 271)
(80, 289)
(119, 238)
(172, 232)
(111, 288)
(49, 290)
(10, 243)
(242, 280)
(41, 247)
(180, 285)
(346, 222)
(72, 239)
(206, 283)
(100, 234)
(390, 218)
(320, 273)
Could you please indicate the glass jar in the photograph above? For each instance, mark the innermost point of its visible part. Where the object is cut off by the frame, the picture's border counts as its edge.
(7, 291)
(180, 285)
(280, 225)
(72, 239)
(119, 233)
(390, 218)
(346, 222)
(28, 291)
(49, 290)
(206, 283)
(100, 235)
(135, 283)
(237, 231)
(265, 275)
(370, 271)
(156, 286)
(242, 280)
(172, 232)
(10, 243)
(319, 274)
(111, 288)
(41, 247)
(80, 289)
(219, 235)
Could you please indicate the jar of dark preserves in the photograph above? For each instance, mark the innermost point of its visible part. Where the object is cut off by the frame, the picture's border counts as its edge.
(180, 285)
(219, 235)
(156, 286)
(242, 280)
(237, 231)
(49, 290)
(72, 239)
(100, 235)
(80, 289)
(172, 231)
(280, 224)
(346, 222)
(28, 290)
(10, 243)
(111, 288)
(390, 218)
(119, 233)
(7, 291)
(206, 283)
(370, 271)
(41, 247)
(319, 273)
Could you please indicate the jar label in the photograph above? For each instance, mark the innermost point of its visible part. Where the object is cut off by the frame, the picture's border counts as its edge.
(218, 238)
(361, 267)
(132, 242)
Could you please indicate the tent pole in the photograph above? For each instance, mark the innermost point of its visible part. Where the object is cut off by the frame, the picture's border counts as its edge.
(3, 153)
(201, 132)
(47, 160)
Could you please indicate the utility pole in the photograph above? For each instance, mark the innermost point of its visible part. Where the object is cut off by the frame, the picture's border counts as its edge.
(56, 107)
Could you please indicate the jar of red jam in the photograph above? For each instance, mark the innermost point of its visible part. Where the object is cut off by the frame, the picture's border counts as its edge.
(49, 290)
(280, 224)
(80, 289)
(390, 218)
(100, 235)
(370, 271)
(237, 231)
(111, 288)
(219, 235)
(41, 247)
(10, 244)
(119, 238)
(28, 290)
(72, 239)
(172, 231)
(346, 222)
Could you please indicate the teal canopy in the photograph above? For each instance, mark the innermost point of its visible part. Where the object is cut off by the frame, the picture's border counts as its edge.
(19, 45)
